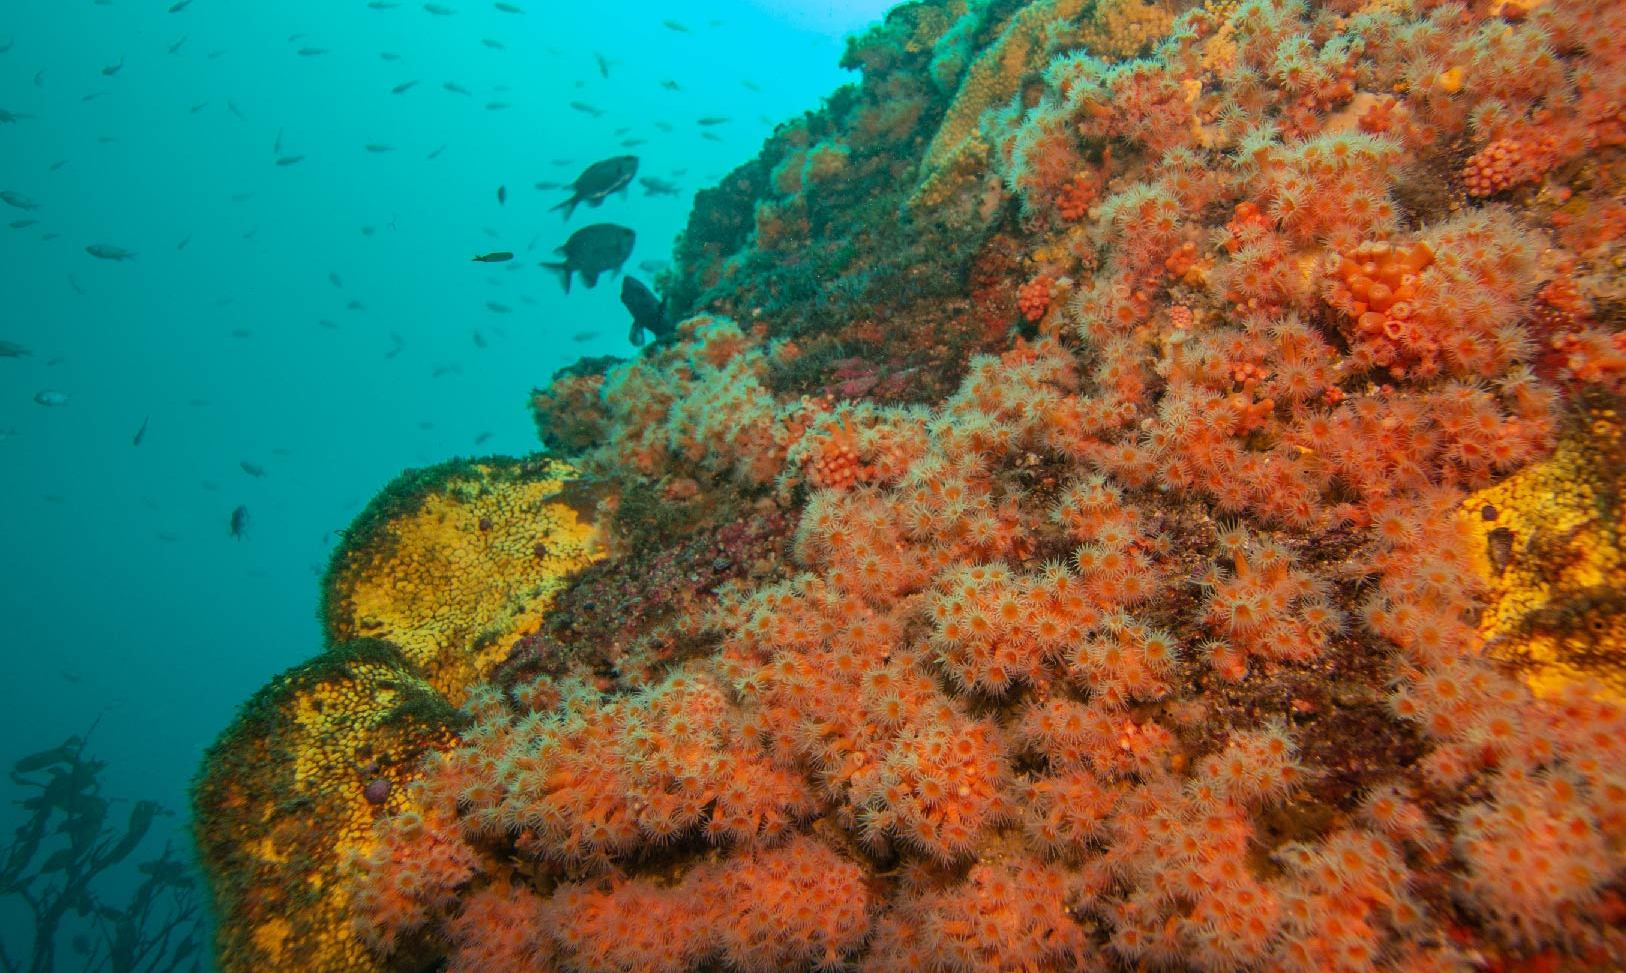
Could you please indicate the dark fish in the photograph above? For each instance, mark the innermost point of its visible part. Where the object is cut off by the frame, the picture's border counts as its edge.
(113, 69)
(397, 343)
(377, 147)
(252, 469)
(389, 55)
(106, 251)
(493, 43)
(22, 224)
(548, 185)
(581, 336)
(584, 107)
(7, 45)
(648, 312)
(436, 153)
(481, 439)
(11, 349)
(633, 143)
(290, 160)
(603, 64)
(496, 105)
(663, 126)
(495, 257)
(653, 266)
(591, 251)
(355, 305)
(276, 147)
(17, 200)
(600, 180)
(141, 433)
(231, 106)
(498, 308)
(654, 186)
(502, 195)
(175, 48)
(509, 8)
(675, 25)
(179, 5)
(324, 322)
(184, 241)
(403, 87)
(456, 88)
(712, 120)
(671, 85)
(439, 9)
(479, 340)
(711, 136)
(750, 85)
(312, 51)
(51, 398)
(58, 164)
(239, 522)
(333, 278)
(381, 5)
(10, 117)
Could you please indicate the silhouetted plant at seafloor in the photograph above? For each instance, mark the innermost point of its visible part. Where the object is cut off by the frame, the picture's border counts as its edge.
(62, 856)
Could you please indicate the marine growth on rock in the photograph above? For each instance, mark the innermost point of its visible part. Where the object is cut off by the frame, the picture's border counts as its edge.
(1187, 538)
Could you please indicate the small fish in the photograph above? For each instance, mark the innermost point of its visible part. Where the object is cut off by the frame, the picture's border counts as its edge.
(712, 120)
(17, 200)
(12, 117)
(582, 336)
(671, 85)
(439, 9)
(4, 48)
(11, 349)
(547, 185)
(378, 147)
(591, 251)
(711, 136)
(509, 8)
(494, 44)
(381, 5)
(184, 242)
(7, 432)
(113, 69)
(389, 55)
(324, 322)
(456, 88)
(441, 371)
(403, 87)
(495, 257)
(654, 186)
(252, 469)
(241, 333)
(58, 164)
(502, 195)
(663, 125)
(436, 153)
(175, 48)
(78, 288)
(141, 433)
(22, 224)
(749, 85)
(397, 344)
(497, 106)
(587, 109)
(106, 251)
(498, 308)
(633, 143)
(290, 160)
(481, 439)
(179, 5)
(276, 147)
(333, 278)
(231, 106)
(51, 398)
(653, 266)
(239, 522)
(479, 340)
(200, 106)
(311, 51)
(648, 312)
(681, 28)
(599, 180)
(603, 64)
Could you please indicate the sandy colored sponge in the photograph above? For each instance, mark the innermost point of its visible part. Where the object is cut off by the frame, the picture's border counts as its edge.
(456, 562)
(290, 792)
(1548, 543)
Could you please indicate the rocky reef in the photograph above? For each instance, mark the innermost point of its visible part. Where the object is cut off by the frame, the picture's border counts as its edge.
(1136, 486)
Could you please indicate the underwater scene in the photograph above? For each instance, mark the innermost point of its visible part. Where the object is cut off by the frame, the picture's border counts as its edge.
(975, 486)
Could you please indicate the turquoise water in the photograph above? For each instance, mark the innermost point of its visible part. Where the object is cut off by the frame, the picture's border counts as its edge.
(318, 321)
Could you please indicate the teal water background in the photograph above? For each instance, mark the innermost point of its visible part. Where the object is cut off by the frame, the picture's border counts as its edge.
(122, 594)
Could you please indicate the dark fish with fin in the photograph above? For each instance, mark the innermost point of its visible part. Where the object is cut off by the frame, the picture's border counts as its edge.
(600, 180)
(648, 312)
(239, 522)
(495, 257)
(17, 200)
(587, 109)
(252, 469)
(502, 195)
(591, 251)
(141, 433)
(11, 349)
